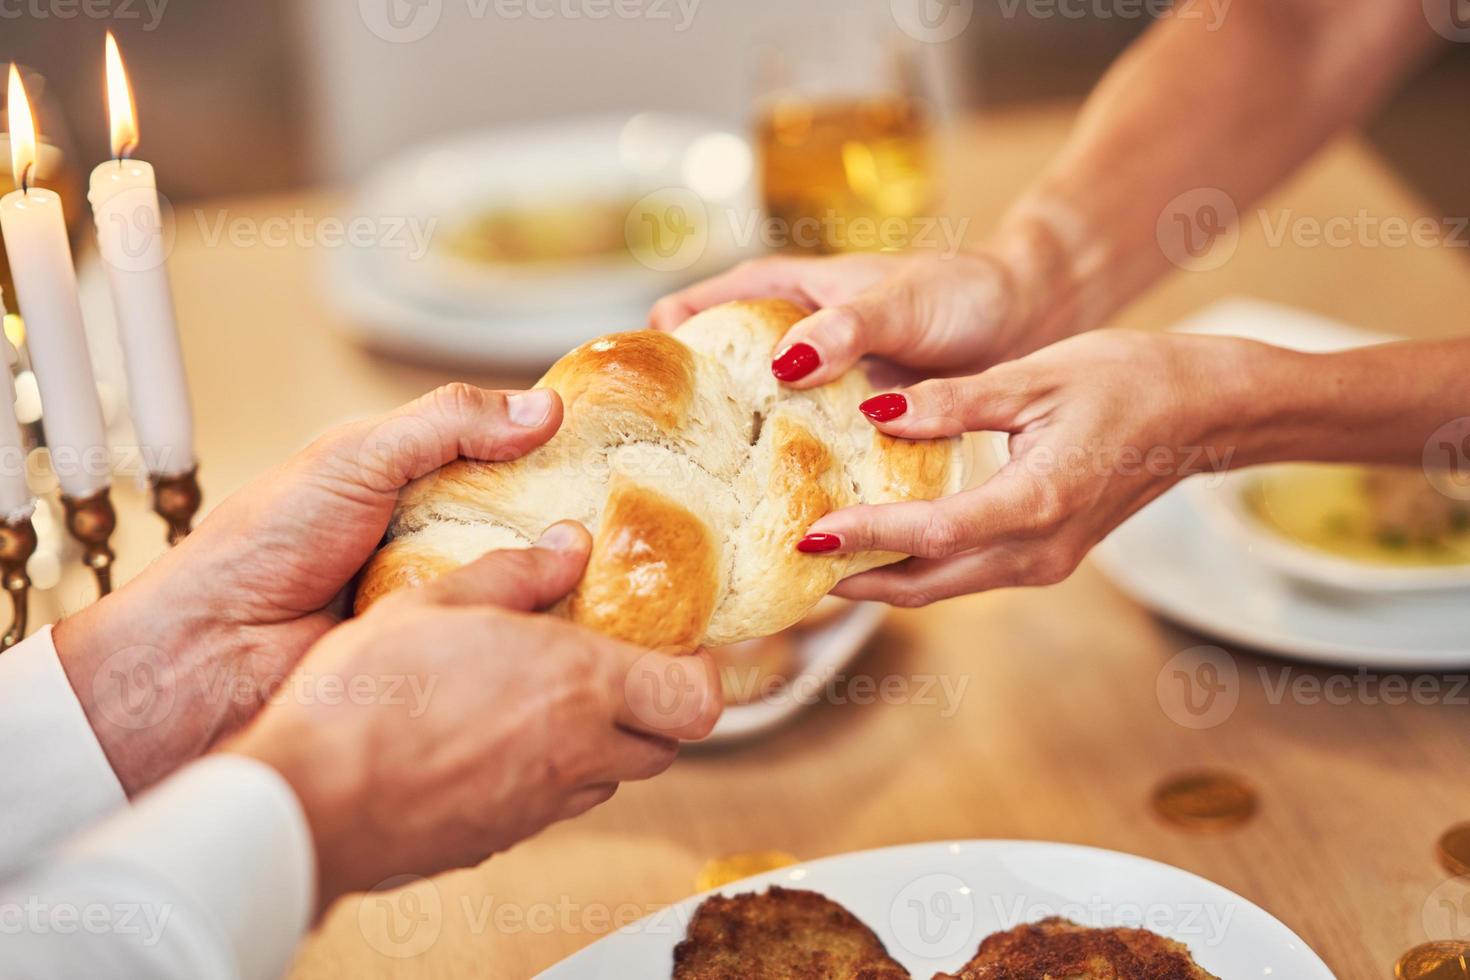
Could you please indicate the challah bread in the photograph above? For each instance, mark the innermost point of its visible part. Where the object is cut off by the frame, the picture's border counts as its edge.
(697, 473)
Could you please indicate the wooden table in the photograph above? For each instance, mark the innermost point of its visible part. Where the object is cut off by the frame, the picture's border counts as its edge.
(1059, 736)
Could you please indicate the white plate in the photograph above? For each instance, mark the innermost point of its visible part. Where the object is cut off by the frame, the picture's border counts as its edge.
(931, 905)
(1179, 563)
(820, 654)
(397, 325)
(1283, 326)
(400, 296)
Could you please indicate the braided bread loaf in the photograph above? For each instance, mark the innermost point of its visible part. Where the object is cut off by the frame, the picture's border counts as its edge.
(697, 473)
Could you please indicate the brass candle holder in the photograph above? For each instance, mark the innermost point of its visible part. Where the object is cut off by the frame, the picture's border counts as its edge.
(91, 521)
(176, 499)
(17, 544)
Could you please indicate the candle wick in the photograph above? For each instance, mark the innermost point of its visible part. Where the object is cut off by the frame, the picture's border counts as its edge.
(25, 179)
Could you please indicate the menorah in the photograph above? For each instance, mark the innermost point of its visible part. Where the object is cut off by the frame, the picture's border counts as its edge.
(91, 521)
(37, 258)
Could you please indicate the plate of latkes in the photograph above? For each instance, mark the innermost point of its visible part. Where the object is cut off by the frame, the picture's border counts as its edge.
(958, 910)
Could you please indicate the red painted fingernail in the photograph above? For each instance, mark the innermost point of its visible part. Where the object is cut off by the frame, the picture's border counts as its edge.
(885, 408)
(815, 544)
(795, 362)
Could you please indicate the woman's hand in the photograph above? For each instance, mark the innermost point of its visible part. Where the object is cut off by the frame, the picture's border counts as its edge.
(1098, 426)
(445, 725)
(931, 313)
(189, 650)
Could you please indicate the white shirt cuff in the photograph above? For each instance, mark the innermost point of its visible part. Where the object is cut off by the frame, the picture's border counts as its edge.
(54, 778)
(228, 835)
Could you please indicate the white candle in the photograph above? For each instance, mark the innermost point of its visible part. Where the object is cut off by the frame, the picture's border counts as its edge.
(46, 287)
(124, 198)
(16, 500)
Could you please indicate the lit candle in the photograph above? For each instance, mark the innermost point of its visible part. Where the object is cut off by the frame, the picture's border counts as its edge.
(130, 238)
(46, 286)
(16, 500)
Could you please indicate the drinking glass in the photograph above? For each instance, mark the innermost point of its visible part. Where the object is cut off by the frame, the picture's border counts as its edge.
(847, 130)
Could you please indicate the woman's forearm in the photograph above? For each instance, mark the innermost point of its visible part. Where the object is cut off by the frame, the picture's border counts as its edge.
(1212, 101)
(1384, 404)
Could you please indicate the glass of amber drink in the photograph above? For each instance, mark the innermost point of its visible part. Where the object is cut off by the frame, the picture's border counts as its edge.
(846, 137)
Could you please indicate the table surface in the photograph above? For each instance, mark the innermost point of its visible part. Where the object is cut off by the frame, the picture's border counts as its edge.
(1059, 736)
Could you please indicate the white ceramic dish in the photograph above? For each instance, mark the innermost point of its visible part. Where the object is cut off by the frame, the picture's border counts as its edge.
(1221, 502)
(1189, 568)
(1224, 501)
(397, 325)
(931, 905)
(821, 653)
(425, 301)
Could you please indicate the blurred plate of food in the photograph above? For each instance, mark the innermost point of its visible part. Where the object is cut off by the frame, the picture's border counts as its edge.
(958, 909)
(392, 324)
(1370, 529)
(530, 239)
(1176, 561)
(769, 681)
(1368, 566)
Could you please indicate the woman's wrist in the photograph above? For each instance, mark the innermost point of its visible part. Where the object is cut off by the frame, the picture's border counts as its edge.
(1250, 402)
(1039, 247)
(1247, 403)
(1384, 404)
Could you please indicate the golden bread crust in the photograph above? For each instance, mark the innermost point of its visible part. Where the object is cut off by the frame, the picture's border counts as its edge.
(697, 473)
(641, 371)
(653, 576)
(913, 468)
(400, 565)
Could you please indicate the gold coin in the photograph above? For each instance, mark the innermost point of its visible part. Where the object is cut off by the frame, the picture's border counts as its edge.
(1454, 849)
(1205, 801)
(723, 870)
(1435, 961)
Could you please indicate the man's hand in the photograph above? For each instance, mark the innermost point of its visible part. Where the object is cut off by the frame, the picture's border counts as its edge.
(521, 720)
(189, 651)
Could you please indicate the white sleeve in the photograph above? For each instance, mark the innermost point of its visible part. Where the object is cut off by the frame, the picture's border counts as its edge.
(54, 779)
(209, 875)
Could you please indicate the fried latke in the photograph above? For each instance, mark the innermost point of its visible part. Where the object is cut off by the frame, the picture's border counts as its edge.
(781, 934)
(1055, 949)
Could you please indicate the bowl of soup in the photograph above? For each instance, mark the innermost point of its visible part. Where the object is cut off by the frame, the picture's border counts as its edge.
(1355, 528)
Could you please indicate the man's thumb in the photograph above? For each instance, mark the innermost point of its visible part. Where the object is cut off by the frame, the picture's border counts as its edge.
(523, 579)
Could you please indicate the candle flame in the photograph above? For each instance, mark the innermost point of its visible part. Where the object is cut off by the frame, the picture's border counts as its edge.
(120, 111)
(15, 330)
(22, 131)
